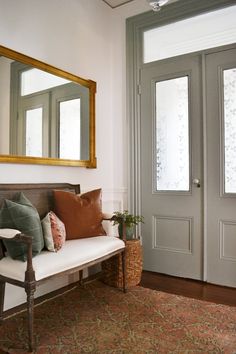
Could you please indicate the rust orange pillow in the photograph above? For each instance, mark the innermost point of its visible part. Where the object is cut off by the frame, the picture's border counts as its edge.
(81, 214)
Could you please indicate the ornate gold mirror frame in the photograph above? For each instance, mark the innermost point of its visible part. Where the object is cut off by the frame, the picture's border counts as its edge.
(89, 84)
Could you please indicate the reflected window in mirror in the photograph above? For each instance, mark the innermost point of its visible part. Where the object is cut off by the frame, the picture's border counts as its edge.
(35, 80)
(69, 126)
(47, 117)
(34, 132)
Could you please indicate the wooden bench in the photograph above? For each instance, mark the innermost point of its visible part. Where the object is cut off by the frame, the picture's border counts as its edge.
(73, 257)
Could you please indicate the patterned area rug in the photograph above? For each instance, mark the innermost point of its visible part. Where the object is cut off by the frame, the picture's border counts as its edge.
(101, 319)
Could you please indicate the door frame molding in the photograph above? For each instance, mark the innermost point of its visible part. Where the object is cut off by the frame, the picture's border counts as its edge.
(135, 27)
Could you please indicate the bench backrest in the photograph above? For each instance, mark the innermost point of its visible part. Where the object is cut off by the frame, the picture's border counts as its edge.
(40, 195)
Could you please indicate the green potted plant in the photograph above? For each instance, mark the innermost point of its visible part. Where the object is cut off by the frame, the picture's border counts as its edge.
(129, 220)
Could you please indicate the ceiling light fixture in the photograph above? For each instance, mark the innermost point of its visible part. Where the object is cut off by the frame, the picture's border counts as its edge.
(157, 4)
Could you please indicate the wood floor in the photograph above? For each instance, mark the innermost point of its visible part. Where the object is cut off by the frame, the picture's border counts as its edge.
(190, 288)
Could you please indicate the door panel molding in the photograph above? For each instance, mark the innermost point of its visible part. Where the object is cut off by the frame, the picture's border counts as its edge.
(187, 226)
(227, 234)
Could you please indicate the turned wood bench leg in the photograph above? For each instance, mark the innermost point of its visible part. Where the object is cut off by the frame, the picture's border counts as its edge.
(2, 295)
(30, 314)
(81, 281)
(123, 256)
(30, 287)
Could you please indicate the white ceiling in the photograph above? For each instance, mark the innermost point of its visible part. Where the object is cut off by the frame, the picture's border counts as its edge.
(116, 3)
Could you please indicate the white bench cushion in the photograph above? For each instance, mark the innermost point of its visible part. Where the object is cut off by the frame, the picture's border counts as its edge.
(73, 254)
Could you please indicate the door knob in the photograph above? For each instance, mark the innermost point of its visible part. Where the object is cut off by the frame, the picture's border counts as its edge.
(196, 182)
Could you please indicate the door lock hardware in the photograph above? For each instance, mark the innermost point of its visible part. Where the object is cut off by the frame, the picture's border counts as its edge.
(196, 182)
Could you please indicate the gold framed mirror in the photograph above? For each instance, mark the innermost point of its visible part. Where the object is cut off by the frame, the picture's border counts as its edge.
(47, 115)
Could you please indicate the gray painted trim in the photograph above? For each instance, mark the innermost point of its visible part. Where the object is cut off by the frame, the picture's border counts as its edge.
(205, 162)
(135, 27)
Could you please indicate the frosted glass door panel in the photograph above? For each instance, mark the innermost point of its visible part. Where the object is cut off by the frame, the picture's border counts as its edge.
(172, 135)
(70, 129)
(34, 132)
(230, 130)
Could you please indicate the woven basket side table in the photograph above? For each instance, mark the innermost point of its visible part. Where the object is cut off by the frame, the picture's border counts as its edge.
(112, 268)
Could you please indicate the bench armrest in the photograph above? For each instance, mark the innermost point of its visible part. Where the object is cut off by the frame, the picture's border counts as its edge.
(17, 236)
(106, 216)
(8, 233)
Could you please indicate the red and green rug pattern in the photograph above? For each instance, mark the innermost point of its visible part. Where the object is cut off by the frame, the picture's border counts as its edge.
(101, 319)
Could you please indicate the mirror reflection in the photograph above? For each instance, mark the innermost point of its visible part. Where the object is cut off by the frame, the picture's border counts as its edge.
(44, 117)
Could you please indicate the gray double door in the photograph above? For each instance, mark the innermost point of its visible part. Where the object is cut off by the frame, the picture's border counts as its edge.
(188, 166)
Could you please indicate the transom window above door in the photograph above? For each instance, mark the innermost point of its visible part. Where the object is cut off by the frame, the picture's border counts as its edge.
(205, 31)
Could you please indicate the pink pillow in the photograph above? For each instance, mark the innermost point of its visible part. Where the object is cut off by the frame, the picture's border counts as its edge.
(54, 232)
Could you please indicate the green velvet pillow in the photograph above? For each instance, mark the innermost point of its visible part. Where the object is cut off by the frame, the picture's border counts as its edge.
(20, 214)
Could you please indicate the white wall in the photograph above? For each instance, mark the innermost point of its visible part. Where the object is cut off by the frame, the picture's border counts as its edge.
(86, 38)
(73, 35)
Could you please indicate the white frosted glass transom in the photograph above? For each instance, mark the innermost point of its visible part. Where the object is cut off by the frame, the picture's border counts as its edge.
(197, 33)
(172, 135)
(70, 129)
(35, 80)
(230, 130)
(34, 136)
